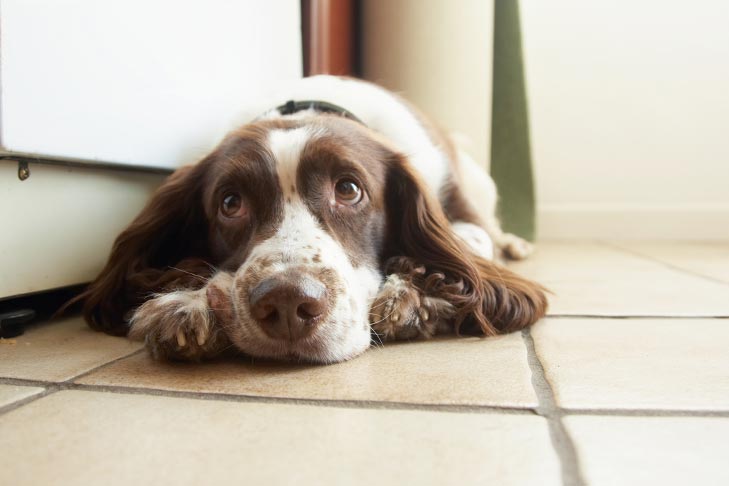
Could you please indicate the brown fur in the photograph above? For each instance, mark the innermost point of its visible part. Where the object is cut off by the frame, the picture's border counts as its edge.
(174, 240)
(162, 249)
(486, 296)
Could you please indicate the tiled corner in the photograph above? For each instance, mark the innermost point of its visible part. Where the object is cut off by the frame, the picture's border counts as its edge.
(651, 450)
(115, 439)
(13, 393)
(710, 259)
(465, 371)
(599, 280)
(671, 364)
(60, 350)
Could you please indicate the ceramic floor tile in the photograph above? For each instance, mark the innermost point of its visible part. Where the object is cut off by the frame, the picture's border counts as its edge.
(673, 364)
(13, 393)
(596, 279)
(471, 370)
(710, 259)
(651, 450)
(109, 438)
(59, 350)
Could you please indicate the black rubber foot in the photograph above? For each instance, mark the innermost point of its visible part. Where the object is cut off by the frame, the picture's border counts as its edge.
(13, 323)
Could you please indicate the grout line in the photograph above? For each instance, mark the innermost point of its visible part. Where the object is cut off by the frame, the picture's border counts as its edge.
(48, 390)
(562, 442)
(688, 271)
(51, 387)
(46, 383)
(26, 382)
(648, 412)
(364, 404)
(361, 404)
(102, 366)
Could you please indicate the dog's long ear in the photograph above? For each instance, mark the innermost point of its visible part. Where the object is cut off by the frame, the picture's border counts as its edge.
(487, 297)
(171, 231)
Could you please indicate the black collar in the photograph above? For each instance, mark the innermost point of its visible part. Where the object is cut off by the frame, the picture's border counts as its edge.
(291, 107)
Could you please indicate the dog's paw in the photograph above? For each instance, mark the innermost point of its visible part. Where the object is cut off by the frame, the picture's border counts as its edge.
(178, 325)
(400, 311)
(514, 247)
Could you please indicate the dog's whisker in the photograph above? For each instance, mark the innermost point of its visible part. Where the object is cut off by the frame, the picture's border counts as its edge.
(384, 318)
(377, 335)
(381, 304)
(189, 273)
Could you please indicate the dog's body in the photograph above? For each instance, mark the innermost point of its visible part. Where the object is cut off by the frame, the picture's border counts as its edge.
(302, 233)
(449, 172)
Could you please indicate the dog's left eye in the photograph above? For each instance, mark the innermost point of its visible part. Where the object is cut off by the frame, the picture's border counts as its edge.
(347, 192)
(232, 206)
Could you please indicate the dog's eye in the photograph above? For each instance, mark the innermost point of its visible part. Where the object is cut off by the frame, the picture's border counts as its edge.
(232, 206)
(347, 192)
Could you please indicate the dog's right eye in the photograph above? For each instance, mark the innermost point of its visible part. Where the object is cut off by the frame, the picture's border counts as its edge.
(232, 206)
(347, 192)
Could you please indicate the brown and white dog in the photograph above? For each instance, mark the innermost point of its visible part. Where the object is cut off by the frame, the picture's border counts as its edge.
(307, 235)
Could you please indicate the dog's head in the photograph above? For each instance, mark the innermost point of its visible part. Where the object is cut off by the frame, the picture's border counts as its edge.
(299, 217)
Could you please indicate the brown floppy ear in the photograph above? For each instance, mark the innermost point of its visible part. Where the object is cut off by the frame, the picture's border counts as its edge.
(487, 297)
(171, 231)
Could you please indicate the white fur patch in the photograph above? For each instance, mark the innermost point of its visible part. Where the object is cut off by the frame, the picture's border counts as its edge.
(395, 284)
(286, 146)
(171, 315)
(185, 300)
(476, 237)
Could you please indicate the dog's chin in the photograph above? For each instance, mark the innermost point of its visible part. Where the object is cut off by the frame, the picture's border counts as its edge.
(314, 350)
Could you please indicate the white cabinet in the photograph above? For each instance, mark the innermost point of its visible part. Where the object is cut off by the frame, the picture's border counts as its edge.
(136, 84)
(143, 82)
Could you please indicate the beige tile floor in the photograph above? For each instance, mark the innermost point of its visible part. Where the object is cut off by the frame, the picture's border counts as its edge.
(626, 382)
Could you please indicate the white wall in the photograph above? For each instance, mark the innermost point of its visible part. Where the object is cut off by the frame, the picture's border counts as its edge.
(629, 103)
(437, 54)
(629, 106)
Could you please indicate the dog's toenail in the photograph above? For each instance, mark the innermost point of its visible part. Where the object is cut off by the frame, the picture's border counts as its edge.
(201, 336)
(181, 341)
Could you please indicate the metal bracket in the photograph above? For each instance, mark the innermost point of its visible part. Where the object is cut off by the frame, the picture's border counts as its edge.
(23, 170)
(23, 159)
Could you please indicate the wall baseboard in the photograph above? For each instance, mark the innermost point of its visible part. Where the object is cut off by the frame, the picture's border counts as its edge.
(633, 222)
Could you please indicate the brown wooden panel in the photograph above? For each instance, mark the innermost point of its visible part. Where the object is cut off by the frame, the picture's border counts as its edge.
(328, 29)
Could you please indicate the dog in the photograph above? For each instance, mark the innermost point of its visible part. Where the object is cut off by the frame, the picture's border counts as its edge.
(338, 219)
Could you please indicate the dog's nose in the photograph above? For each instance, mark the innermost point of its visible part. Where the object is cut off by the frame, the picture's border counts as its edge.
(289, 305)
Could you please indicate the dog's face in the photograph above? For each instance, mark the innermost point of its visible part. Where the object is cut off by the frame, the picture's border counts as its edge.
(296, 213)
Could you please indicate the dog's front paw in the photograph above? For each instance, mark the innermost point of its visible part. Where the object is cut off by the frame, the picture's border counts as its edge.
(400, 311)
(514, 247)
(178, 325)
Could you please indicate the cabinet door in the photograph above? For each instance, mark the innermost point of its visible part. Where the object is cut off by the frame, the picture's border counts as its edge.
(153, 83)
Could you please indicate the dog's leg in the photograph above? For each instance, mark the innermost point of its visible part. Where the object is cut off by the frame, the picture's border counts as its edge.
(477, 239)
(402, 311)
(181, 324)
(480, 190)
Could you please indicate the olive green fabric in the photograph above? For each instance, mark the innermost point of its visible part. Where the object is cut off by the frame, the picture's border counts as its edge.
(511, 165)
